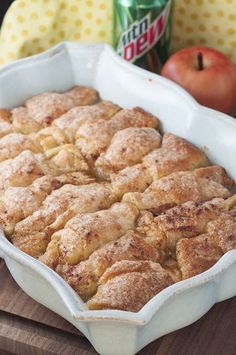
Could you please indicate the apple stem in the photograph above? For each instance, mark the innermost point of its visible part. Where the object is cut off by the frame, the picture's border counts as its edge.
(200, 61)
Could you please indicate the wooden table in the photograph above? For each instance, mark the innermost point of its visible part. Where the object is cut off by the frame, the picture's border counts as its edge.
(26, 327)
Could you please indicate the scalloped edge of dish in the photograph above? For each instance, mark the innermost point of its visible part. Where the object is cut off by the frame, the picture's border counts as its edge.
(66, 302)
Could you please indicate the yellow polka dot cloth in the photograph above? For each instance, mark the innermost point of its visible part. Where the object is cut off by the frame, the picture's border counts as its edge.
(205, 22)
(31, 26)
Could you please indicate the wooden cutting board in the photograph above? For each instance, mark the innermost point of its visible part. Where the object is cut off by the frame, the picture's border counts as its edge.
(26, 327)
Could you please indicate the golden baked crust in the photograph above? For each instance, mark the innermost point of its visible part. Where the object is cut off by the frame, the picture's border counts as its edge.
(15, 143)
(131, 179)
(189, 219)
(181, 187)
(20, 171)
(145, 243)
(63, 159)
(175, 154)
(60, 206)
(149, 229)
(127, 148)
(172, 267)
(94, 137)
(28, 166)
(42, 109)
(223, 231)
(5, 115)
(96, 193)
(115, 290)
(131, 246)
(87, 232)
(214, 173)
(74, 118)
(50, 137)
(196, 255)
(18, 203)
(5, 122)
(22, 122)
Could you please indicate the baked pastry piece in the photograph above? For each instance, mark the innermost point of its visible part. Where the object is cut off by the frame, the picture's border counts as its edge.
(189, 219)
(41, 110)
(119, 253)
(85, 233)
(18, 203)
(127, 148)
(22, 122)
(196, 255)
(131, 179)
(223, 231)
(175, 154)
(20, 171)
(199, 185)
(94, 137)
(27, 166)
(172, 267)
(50, 137)
(13, 144)
(63, 159)
(33, 234)
(53, 105)
(145, 243)
(149, 229)
(84, 276)
(74, 118)
(5, 122)
(5, 114)
(215, 173)
(129, 285)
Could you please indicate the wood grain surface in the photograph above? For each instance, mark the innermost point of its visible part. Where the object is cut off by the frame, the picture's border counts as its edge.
(26, 327)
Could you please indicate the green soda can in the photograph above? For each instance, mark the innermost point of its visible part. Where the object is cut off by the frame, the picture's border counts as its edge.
(142, 32)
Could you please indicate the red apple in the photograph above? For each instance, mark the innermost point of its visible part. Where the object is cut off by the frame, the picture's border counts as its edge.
(206, 74)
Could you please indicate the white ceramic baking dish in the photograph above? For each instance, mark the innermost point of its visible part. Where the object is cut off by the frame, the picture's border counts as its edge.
(116, 332)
